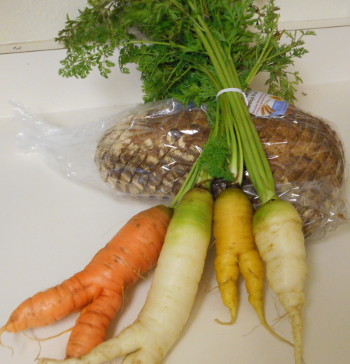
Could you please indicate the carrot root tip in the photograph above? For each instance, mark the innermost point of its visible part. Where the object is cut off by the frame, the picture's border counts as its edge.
(231, 322)
(224, 322)
(275, 334)
(260, 311)
(2, 330)
(297, 326)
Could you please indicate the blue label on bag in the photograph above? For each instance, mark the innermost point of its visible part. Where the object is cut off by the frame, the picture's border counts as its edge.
(280, 108)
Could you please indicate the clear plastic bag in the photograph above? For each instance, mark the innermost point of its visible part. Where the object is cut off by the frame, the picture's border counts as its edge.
(147, 151)
(74, 152)
(69, 151)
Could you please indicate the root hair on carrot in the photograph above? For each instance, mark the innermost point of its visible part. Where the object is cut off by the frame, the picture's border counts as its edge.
(34, 338)
(212, 289)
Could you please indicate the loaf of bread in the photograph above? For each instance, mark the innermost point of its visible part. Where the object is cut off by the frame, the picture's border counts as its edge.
(150, 154)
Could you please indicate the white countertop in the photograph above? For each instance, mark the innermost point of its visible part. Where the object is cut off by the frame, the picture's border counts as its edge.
(51, 227)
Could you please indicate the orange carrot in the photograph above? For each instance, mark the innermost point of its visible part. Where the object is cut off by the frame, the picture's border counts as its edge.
(98, 289)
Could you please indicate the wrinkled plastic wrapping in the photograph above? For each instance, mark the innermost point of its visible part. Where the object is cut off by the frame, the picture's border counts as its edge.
(71, 150)
(147, 152)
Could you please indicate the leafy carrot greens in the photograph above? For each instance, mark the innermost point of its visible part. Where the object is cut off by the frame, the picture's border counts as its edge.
(160, 38)
(189, 50)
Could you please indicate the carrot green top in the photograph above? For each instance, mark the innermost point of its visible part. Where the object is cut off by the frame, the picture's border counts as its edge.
(190, 50)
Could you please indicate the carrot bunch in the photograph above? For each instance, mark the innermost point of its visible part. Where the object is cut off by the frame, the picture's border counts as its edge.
(189, 48)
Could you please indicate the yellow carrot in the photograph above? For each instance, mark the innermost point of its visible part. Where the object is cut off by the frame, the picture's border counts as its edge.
(236, 253)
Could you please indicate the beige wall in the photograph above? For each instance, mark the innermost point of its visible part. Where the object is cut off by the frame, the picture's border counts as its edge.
(33, 24)
(296, 14)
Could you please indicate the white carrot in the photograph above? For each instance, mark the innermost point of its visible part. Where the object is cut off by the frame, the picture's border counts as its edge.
(172, 293)
(280, 241)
